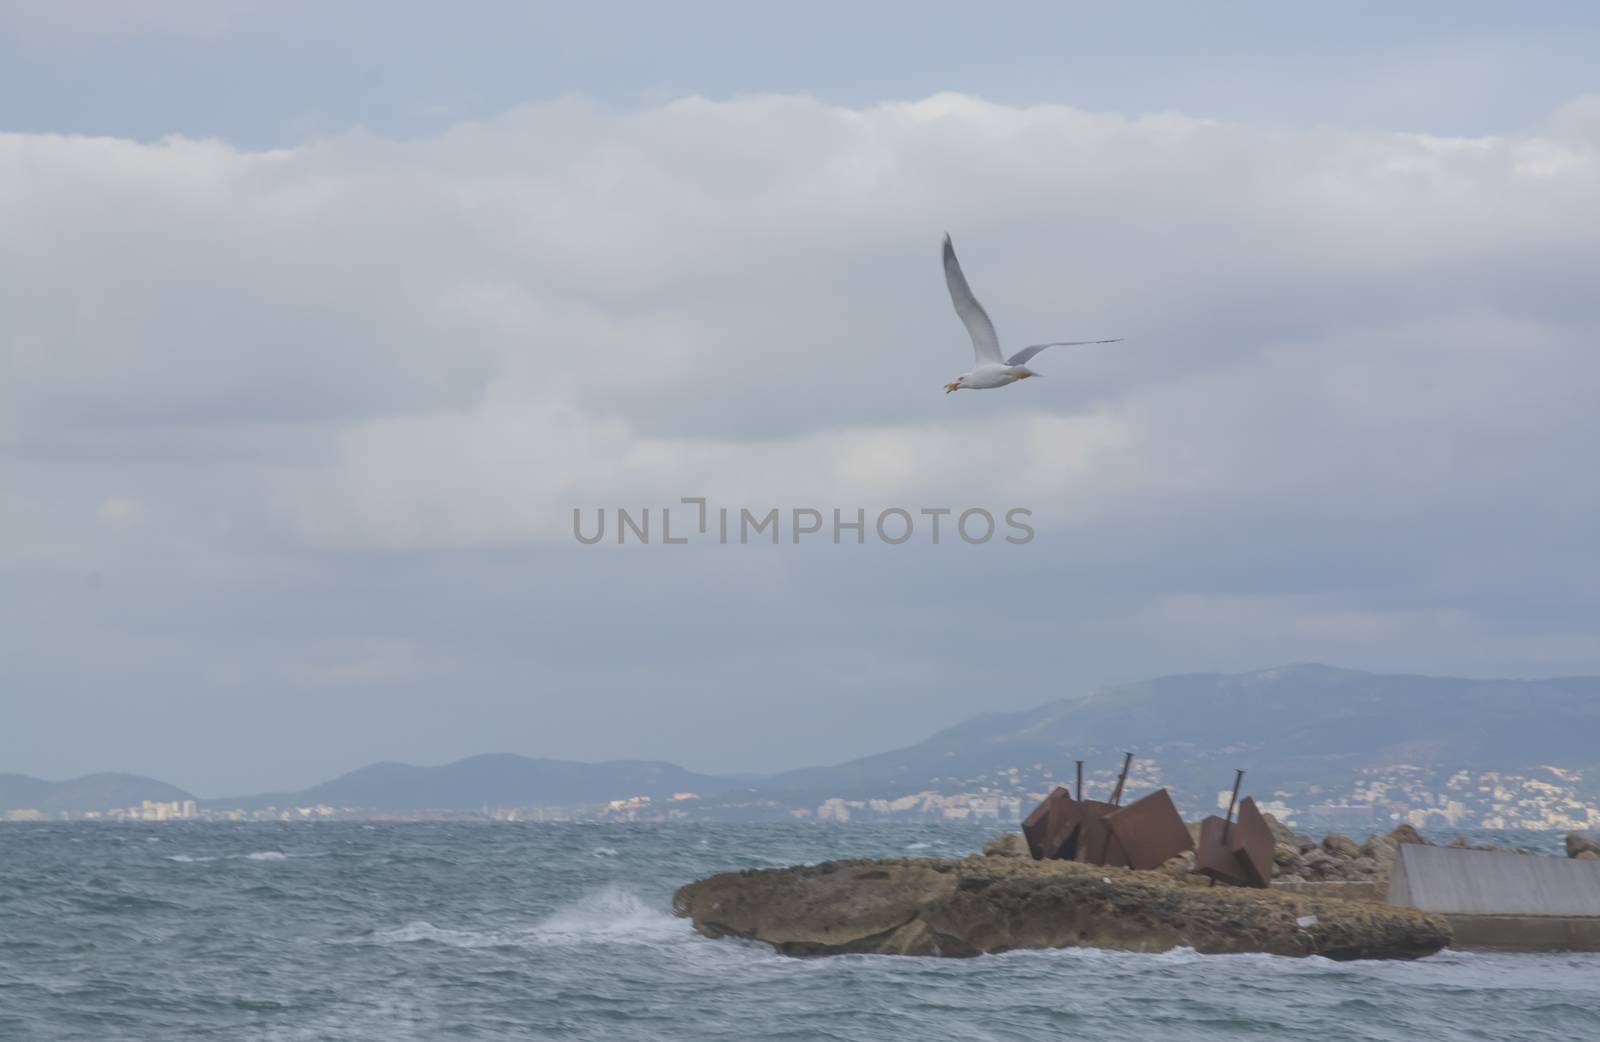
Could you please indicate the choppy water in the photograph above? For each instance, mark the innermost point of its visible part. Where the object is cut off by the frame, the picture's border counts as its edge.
(394, 932)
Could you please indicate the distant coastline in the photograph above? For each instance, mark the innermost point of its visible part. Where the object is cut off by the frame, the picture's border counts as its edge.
(1325, 748)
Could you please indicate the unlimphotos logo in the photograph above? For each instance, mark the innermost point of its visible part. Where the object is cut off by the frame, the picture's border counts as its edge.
(741, 525)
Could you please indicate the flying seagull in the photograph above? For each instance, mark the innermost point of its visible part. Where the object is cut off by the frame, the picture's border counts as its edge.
(991, 370)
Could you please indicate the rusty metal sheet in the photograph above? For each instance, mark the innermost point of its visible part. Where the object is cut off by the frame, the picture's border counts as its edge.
(1035, 825)
(1251, 843)
(1150, 830)
(1096, 843)
(1213, 855)
(1062, 834)
(1052, 825)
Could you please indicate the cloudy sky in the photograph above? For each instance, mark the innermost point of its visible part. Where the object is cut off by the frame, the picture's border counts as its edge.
(317, 322)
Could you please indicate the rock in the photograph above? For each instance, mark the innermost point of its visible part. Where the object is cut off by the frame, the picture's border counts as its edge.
(1318, 863)
(1285, 854)
(1306, 844)
(1280, 831)
(1459, 843)
(1380, 848)
(1345, 869)
(1364, 866)
(1588, 855)
(910, 906)
(1341, 846)
(1579, 842)
(1407, 834)
(1179, 865)
(1011, 844)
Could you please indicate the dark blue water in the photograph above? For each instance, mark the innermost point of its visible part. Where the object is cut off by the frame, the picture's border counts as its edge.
(517, 931)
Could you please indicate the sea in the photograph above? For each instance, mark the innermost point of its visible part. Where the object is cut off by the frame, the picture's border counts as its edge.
(351, 931)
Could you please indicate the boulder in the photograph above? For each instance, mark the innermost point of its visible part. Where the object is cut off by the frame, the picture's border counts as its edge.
(1380, 849)
(1318, 863)
(1285, 855)
(1011, 844)
(1179, 865)
(1280, 832)
(1588, 855)
(1580, 842)
(1007, 845)
(1406, 834)
(909, 906)
(1341, 846)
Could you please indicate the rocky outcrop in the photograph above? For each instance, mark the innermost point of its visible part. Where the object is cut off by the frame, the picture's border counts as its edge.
(1300, 859)
(1580, 844)
(1008, 844)
(993, 904)
(1335, 859)
(1339, 859)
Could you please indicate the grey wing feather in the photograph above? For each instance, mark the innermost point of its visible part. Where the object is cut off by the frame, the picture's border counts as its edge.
(1028, 352)
(985, 344)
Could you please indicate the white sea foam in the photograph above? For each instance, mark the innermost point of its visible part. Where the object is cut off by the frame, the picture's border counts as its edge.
(255, 855)
(422, 930)
(610, 915)
(604, 851)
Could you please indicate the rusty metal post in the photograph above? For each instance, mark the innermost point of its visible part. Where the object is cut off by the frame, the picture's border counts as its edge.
(1080, 779)
(1116, 796)
(1227, 828)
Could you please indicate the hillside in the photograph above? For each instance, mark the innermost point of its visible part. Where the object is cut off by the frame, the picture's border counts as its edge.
(91, 792)
(495, 780)
(1308, 733)
(1324, 744)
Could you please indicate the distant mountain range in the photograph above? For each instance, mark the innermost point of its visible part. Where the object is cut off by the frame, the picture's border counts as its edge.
(1292, 725)
(91, 792)
(495, 780)
(1315, 739)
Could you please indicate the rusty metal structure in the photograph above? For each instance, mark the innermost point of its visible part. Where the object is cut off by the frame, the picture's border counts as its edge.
(1052, 826)
(1149, 831)
(1252, 844)
(1239, 854)
(1141, 835)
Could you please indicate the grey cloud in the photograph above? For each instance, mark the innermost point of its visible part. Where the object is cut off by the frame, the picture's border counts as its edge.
(349, 393)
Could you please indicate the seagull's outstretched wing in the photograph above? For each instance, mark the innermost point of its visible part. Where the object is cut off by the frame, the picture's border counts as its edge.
(984, 341)
(1028, 352)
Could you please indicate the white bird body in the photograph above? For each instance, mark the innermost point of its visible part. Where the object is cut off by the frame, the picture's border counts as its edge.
(992, 370)
(985, 377)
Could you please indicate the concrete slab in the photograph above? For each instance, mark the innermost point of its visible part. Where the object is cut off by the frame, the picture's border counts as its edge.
(1493, 883)
(1542, 933)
